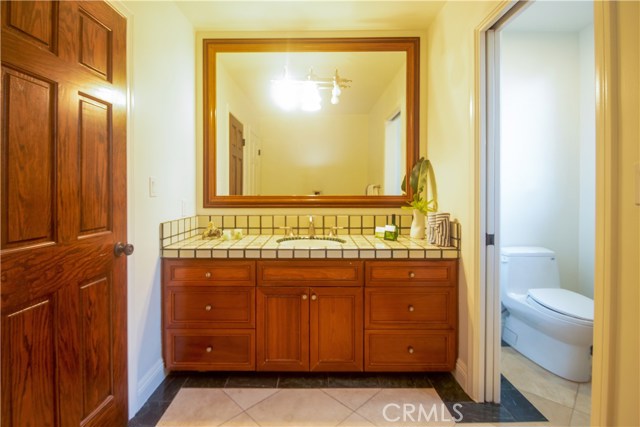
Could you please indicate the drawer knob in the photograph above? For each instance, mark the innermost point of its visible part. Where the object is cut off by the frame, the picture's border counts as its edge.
(207, 307)
(412, 274)
(314, 297)
(209, 349)
(304, 296)
(410, 350)
(411, 308)
(207, 275)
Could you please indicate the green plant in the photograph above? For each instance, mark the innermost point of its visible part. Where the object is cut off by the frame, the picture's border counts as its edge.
(421, 178)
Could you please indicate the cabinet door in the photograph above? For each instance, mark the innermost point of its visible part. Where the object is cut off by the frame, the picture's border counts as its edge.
(336, 324)
(282, 329)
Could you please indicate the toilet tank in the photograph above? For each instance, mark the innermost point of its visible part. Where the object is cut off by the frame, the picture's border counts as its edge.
(526, 267)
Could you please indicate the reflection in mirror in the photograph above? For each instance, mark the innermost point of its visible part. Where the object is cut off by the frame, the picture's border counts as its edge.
(344, 131)
(338, 149)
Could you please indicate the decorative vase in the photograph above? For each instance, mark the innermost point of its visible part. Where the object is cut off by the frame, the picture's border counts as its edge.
(417, 225)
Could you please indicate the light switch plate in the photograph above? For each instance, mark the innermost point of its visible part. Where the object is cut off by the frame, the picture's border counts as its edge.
(153, 186)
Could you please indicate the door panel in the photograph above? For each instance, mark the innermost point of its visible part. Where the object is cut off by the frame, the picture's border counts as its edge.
(336, 329)
(282, 329)
(96, 344)
(95, 165)
(63, 210)
(28, 373)
(37, 20)
(28, 160)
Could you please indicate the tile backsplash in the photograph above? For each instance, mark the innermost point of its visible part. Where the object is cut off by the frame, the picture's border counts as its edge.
(177, 230)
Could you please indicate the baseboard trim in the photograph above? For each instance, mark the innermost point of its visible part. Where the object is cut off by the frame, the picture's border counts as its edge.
(150, 381)
(460, 374)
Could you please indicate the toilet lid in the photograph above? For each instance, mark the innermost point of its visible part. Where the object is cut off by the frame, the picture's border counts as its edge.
(564, 301)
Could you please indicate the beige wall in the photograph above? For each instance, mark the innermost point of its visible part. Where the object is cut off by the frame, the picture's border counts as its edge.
(451, 148)
(392, 100)
(303, 153)
(230, 99)
(160, 143)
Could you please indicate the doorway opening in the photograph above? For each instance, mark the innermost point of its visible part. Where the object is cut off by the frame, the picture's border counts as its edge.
(540, 71)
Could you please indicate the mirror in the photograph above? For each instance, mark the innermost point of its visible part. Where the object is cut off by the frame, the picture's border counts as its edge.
(351, 145)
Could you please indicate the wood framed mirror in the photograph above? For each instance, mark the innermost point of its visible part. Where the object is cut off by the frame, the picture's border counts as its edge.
(352, 150)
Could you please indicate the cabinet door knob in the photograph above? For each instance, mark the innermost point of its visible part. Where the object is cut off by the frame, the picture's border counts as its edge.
(207, 275)
(209, 349)
(207, 307)
(314, 297)
(410, 350)
(412, 274)
(304, 296)
(411, 308)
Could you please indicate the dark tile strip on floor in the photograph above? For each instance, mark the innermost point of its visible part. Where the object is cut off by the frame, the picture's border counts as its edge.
(514, 408)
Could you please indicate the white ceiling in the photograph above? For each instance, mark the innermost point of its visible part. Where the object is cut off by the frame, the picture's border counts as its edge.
(309, 15)
(371, 72)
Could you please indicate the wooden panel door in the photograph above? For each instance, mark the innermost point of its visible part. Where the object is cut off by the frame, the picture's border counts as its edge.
(282, 333)
(236, 156)
(336, 342)
(63, 181)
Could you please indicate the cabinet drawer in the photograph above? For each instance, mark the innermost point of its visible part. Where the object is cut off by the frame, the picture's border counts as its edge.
(431, 273)
(406, 307)
(410, 350)
(213, 307)
(209, 272)
(310, 273)
(215, 350)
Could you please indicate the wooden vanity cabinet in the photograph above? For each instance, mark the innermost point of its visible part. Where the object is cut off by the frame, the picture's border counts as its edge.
(411, 315)
(309, 328)
(310, 315)
(209, 314)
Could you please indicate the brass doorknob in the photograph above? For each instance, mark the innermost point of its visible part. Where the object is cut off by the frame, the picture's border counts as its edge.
(304, 296)
(314, 297)
(123, 249)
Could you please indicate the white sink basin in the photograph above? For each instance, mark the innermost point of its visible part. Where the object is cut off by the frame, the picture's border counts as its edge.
(307, 243)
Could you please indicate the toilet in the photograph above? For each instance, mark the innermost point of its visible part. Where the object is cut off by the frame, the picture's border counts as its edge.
(551, 326)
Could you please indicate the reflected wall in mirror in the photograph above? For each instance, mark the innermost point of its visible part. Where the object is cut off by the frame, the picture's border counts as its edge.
(344, 134)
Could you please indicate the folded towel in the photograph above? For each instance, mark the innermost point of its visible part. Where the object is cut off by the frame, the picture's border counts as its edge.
(373, 190)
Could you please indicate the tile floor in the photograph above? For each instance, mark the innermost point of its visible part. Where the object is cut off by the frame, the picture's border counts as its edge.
(271, 399)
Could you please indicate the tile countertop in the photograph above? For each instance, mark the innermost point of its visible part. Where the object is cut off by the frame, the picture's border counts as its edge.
(266, 247)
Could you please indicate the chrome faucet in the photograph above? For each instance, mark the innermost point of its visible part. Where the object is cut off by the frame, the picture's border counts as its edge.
(312, 228)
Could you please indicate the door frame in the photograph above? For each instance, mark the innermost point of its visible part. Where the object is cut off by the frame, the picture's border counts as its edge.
(486, 343)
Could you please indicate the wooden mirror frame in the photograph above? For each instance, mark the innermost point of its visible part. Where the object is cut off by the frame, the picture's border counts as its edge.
(409, 45)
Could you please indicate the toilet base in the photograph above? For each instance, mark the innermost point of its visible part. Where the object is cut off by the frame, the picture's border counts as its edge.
(569, 361)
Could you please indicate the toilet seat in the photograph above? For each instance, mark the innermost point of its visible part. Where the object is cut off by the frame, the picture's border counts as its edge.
(564, 302)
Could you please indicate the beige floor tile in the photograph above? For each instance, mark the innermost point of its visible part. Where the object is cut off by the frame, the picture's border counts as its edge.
(242, 420)
(247, 397)
(580, 419)
(528, 376)
(406, 407)
(352, 398)
(199, 407)
(583, 399)
(558, 415)
(355, 420)
(299, 407)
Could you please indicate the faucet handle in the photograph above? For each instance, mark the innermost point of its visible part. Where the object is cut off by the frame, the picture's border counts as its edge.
(334, 231)
(288, 231)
